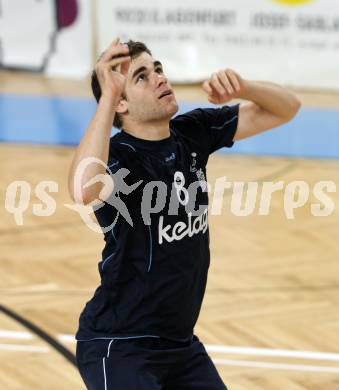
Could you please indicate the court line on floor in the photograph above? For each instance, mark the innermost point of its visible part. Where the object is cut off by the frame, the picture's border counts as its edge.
(14, 334)
(276, 366)
(271, 352)
(296, 354)
(327, 356)
(217, 361)
(23, 348)
(253, 351)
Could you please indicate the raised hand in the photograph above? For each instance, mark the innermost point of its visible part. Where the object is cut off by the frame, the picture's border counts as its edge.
(112, 68)
(223, 86)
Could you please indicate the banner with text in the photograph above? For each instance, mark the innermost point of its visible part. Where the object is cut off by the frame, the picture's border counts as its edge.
(294, 42)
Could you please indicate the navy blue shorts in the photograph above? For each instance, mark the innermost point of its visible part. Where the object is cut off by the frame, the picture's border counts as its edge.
(146, 364)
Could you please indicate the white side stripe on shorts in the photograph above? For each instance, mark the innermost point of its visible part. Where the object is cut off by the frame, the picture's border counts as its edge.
(109, 347)
(103, 364)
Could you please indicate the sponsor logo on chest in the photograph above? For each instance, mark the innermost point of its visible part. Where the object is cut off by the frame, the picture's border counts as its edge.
(182, 229)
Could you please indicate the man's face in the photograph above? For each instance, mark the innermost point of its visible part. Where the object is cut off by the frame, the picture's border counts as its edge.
(149, 95)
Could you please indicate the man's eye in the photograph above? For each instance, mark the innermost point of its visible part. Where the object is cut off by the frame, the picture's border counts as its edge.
(141, 77)
(159, 70)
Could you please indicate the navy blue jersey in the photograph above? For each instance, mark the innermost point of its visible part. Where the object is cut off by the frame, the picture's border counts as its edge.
(154, 264)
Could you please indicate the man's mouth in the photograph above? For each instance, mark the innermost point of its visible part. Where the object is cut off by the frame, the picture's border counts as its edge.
(166, 93)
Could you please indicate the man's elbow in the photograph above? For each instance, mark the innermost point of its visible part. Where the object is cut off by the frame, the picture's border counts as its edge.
(296, 105)
(98, 192)
(86, 197)
(80, 196)
(82, 199)
(294, 108)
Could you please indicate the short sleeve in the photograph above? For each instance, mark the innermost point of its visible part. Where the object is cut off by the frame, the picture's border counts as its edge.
(106, 214)
(113, 162)
(113, 165)
(213, 127)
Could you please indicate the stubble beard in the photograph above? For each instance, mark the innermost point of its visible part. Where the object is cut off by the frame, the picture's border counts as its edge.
(157, 113)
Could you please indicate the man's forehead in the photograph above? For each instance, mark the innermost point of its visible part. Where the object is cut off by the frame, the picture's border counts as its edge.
(144, 59)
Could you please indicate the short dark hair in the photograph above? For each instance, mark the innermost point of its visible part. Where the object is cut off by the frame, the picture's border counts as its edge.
(135, 49)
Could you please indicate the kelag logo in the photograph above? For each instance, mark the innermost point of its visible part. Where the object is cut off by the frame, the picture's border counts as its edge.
(293, 2)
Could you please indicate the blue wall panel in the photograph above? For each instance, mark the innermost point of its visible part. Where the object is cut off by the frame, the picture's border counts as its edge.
(60, 120)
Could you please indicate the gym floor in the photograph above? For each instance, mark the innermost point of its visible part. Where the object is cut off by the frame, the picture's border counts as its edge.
(270, 317)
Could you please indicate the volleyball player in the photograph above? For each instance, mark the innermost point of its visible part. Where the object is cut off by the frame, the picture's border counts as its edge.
(137, 331)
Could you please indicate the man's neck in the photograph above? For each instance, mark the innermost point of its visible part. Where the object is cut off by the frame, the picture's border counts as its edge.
(150, 131)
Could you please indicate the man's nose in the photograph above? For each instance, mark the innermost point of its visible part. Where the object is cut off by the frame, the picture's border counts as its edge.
(160, 79)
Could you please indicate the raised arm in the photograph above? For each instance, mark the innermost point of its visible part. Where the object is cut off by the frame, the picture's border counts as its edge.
(95, 142)
(269, 105)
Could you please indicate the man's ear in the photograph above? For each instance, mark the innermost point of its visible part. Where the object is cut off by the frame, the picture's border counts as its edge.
(122, 106)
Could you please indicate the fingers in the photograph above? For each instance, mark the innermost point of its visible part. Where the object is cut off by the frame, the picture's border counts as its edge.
(125, 66)
(216, 91)
(113, 45)
(115, 62)
(217, 85)
(233, 79)
(120, 64)
(213, 100)
(207, 88)
(222, 86)
(213, 97)
(225, 82)
(113, 50)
